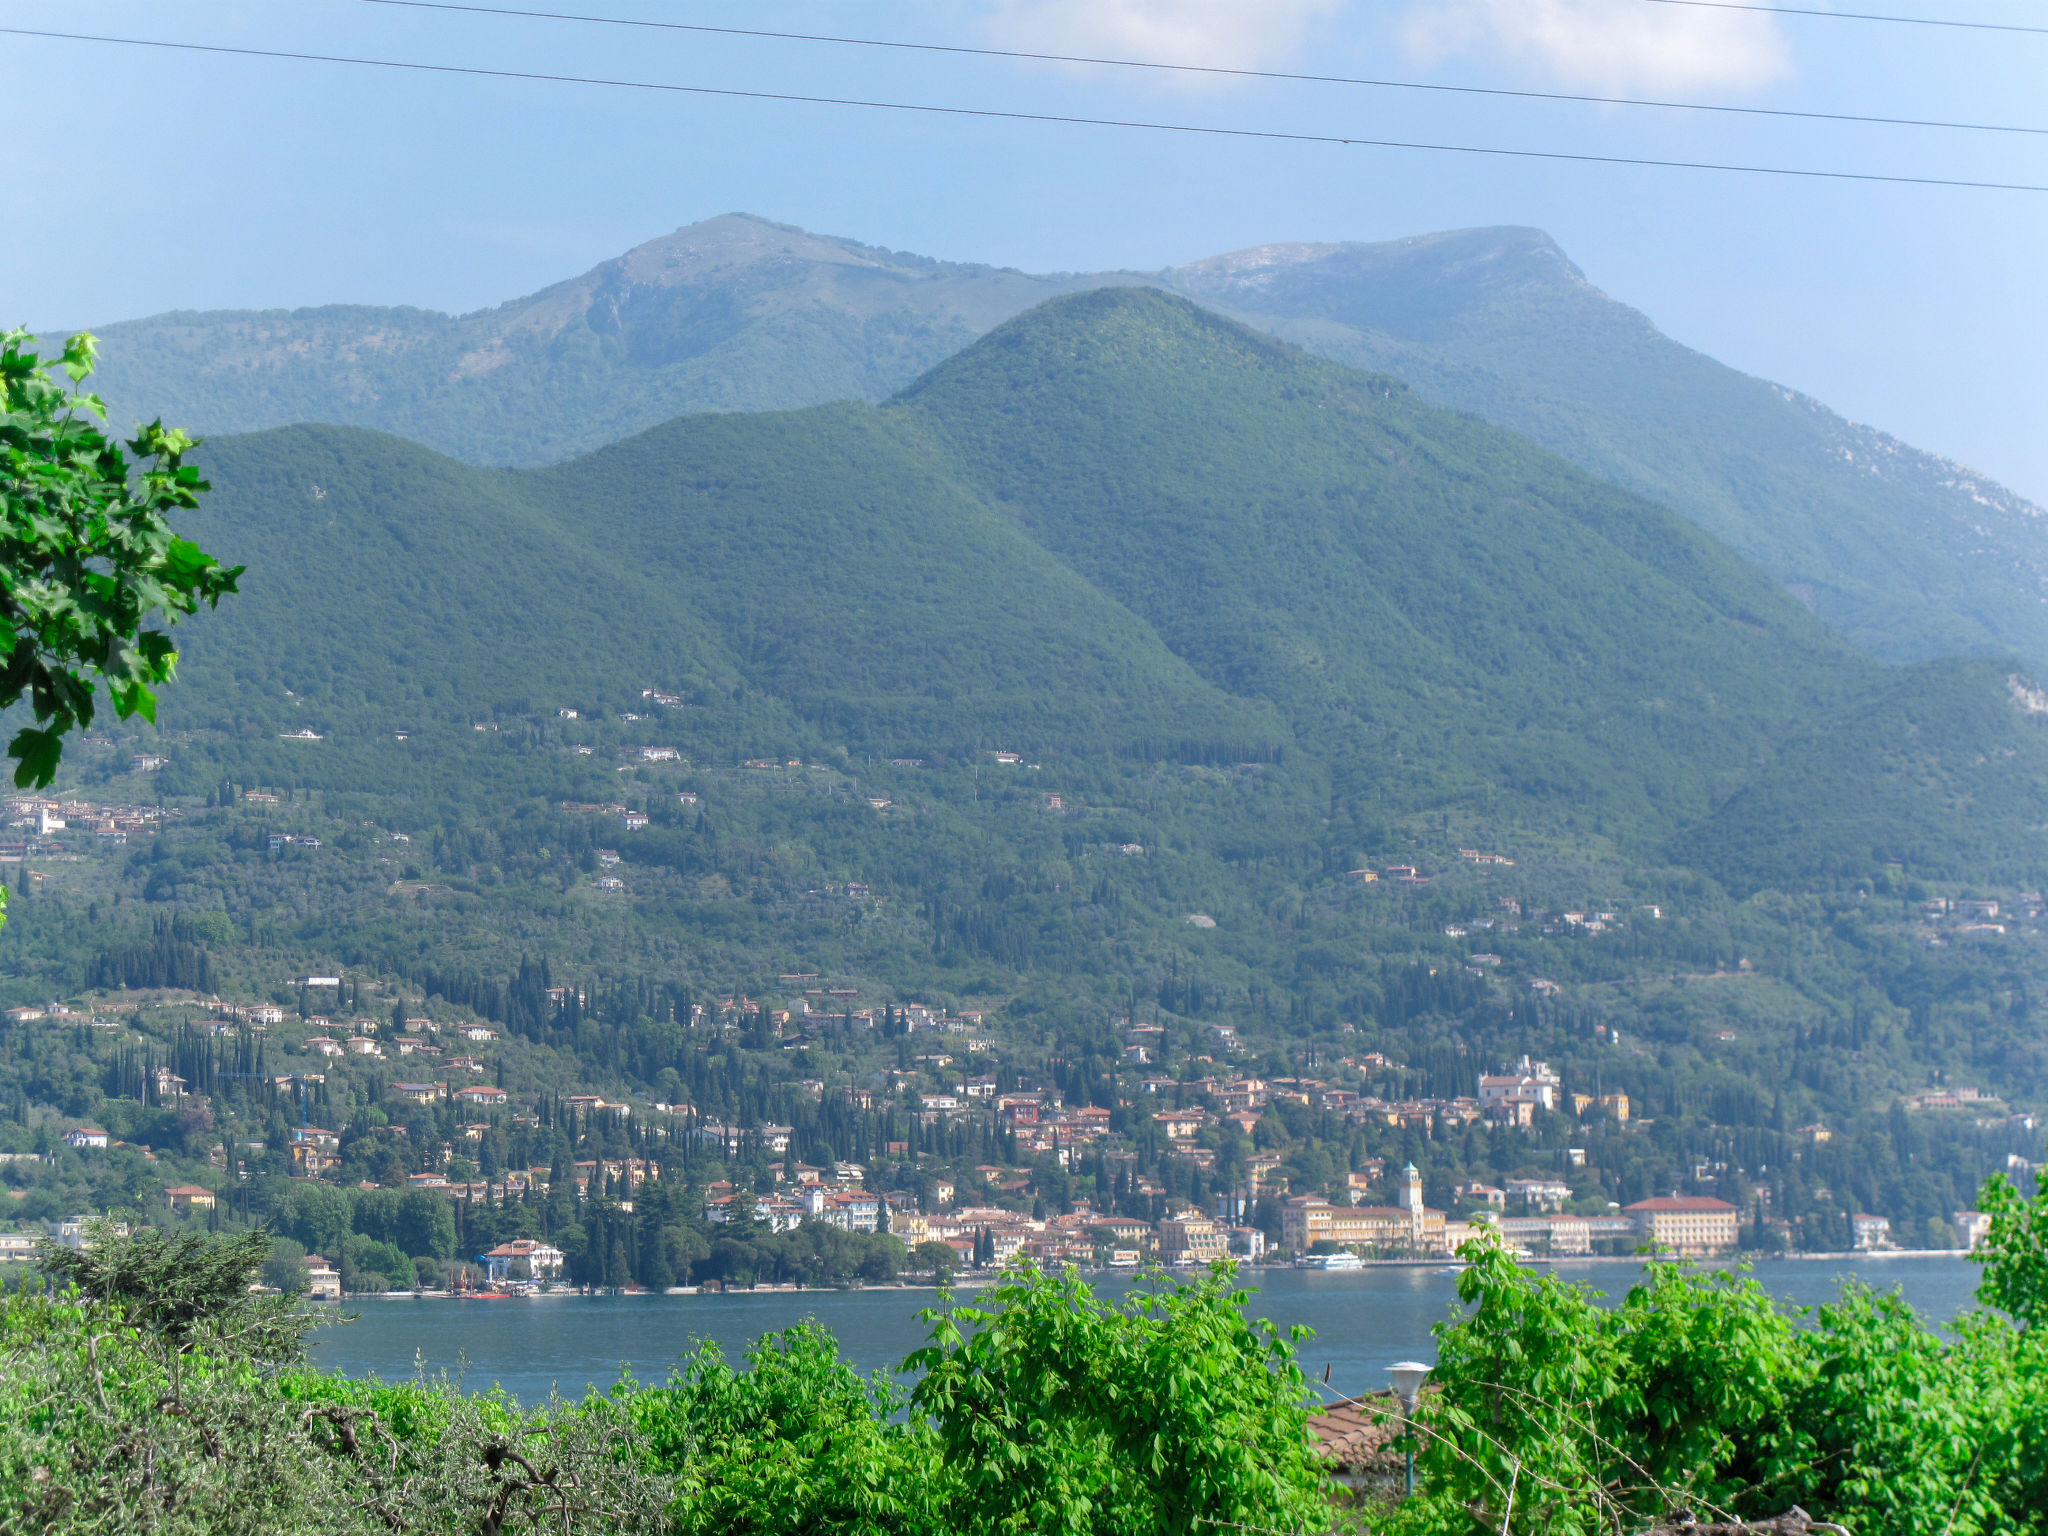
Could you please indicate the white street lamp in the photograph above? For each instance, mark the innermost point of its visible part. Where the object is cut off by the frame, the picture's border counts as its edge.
(1408, 1377)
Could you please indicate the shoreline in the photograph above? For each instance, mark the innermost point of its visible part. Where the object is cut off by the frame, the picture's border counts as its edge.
(981, 1282)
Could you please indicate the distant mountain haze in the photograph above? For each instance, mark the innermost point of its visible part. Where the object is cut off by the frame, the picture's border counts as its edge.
(1907, 554)
(1120, 526)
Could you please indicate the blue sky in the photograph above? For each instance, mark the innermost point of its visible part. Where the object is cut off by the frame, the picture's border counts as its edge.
(154, 181)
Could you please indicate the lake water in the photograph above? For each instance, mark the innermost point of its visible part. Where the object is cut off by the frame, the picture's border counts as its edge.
(1364, 1321)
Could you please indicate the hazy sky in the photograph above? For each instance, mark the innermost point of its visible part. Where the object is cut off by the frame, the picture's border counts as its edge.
(143, 180)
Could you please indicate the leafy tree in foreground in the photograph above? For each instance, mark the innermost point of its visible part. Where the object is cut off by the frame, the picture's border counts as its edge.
(181, 1289)
(155, 1394)
(2015, 1252)
(87, 554)
(1553, 1414)
(796, 1442)
(1170, 1411)
(141, 1398)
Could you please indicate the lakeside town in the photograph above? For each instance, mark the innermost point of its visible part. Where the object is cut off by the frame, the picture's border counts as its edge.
(1176, 1168)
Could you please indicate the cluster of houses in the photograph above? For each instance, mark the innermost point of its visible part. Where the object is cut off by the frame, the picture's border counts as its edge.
(1980, 917)
(55, 1013)
(443, 1064)
(1507, 1099)
(981, 1234)
(34, 819)
(376, 1040)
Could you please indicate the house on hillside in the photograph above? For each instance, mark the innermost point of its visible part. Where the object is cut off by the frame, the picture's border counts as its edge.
(1539, 1194)
(190, 1197)
(79, 1137)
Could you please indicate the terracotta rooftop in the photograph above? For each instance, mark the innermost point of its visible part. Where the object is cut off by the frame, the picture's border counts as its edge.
(1350, 1437)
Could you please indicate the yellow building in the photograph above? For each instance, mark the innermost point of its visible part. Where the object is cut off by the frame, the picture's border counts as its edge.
(1310, 1219)
(1613, 1105)
(1688, 1226)
(1191, 1238)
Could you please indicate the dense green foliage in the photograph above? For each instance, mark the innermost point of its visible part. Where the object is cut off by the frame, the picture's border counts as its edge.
(1167, 1412)
(145, 1399)
(88, 557)
(1039, 1411)
(1554, 1414)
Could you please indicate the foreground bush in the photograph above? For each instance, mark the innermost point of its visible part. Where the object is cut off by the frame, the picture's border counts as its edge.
(157, 1395)
(1552, 1414)
(154, 1393)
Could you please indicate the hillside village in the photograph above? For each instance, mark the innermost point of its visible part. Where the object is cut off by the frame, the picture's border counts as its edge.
(964, 1156)
(823, 1099)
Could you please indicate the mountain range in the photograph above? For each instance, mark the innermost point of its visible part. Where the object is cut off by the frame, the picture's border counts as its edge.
(1117, 526)
(1908, 555)
(1468, 674)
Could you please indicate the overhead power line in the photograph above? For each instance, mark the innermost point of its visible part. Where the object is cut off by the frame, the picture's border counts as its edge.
(1902, 21)
(1271, 135)
(1022, 55)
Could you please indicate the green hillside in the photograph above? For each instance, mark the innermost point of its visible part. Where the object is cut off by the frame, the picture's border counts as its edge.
(1932, 767)
(1907, 554)
(387, 582)
(804, 578)
(1452, 615)
(1118, 525)
(1080, 686)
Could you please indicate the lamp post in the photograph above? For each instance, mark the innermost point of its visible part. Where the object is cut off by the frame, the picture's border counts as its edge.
(1408, 1378)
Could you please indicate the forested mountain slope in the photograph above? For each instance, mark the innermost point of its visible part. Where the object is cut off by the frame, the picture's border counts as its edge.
(1908, 554)
(1118, 525)
(1155, 695)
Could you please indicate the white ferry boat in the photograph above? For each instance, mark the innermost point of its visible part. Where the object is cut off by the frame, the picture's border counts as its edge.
(1334, 1261)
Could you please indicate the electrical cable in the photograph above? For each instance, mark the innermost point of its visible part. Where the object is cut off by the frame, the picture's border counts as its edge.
(1198, 69)
(1274, 135)
(1902, 21)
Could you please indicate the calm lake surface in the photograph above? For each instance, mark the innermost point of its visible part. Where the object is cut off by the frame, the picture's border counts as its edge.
(1364, 1321)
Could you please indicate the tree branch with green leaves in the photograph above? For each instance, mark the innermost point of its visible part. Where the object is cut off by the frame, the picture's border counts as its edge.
(89, 562)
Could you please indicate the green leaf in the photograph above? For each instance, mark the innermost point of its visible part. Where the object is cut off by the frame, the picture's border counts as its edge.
(81, 355)
(37, 754)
